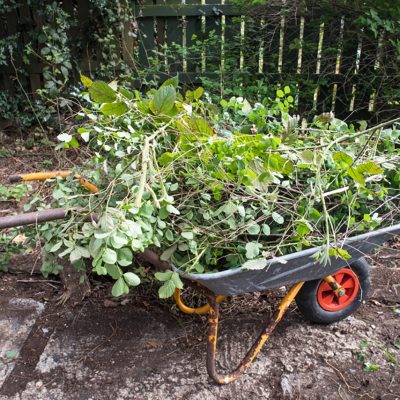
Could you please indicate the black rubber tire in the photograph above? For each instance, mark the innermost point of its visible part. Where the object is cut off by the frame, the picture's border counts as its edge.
(307, 300)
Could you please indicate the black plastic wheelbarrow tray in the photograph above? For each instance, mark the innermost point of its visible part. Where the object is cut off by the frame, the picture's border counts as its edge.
(324, 292)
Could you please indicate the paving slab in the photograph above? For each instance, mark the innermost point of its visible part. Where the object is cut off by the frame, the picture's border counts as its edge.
(17, 317)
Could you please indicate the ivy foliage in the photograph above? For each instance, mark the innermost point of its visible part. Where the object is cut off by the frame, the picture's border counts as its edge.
(216, 186)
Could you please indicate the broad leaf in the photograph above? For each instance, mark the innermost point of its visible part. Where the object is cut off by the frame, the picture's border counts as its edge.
(120, 288)
(100, 92)
(110, 256)
(258, 263)
(164, 99)
(116, 109)
(131, 279)
(369, 168)
(355, 175)
(343, 159)
(252, 250)
(166, 290)
(167, 254)
(87, 82)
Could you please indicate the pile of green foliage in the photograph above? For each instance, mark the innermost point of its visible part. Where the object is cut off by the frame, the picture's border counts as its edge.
(216, 186)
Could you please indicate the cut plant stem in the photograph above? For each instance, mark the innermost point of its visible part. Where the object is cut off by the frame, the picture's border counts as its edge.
(143, 178)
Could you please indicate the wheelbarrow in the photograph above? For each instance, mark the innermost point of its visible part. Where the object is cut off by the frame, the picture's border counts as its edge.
(324, 292)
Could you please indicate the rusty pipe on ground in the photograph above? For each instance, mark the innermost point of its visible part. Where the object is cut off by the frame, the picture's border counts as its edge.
(32, 218)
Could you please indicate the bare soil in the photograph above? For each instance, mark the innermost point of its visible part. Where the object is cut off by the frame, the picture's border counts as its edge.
(139, 347)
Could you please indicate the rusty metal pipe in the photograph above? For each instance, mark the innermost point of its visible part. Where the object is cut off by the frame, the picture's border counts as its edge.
(36, 217)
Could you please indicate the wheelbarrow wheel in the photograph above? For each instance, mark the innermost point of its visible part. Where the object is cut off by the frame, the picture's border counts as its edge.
(317, 300)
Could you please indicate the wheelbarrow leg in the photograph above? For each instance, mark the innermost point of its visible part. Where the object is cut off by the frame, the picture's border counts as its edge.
(258, 344)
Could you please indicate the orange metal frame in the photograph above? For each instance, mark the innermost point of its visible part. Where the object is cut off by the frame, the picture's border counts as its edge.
(213, 319)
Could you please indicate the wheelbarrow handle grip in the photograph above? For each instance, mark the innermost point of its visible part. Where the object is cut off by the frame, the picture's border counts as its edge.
(42, 176)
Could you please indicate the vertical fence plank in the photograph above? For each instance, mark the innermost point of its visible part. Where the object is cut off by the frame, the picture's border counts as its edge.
(331, 43)
(366, 70)
(347, 68)
(308, 83)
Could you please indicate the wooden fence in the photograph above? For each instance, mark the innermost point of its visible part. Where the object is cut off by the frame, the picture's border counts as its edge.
(333, 64)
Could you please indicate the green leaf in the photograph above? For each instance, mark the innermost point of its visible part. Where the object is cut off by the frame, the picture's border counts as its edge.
(307, 156)
(258, 263)
(166, 290)
(163, 276)
(339, 253)
(172, 210)
(167, 158)
(120, 288)
(118, 240)
(100, 92)
(287, 89)
(131, 279)
(280, 93)
(266, 229)
(126, 93)
(109, 256)
(116, 109)
(254, 229)
(369, 367)
(164, 99)
(355, 175)
(252, 250)
(275, 162)
(277, 218)
(369, 168)
(198, 93)
(77, 253)
(343, 159)
(167, 254)
(87, 82)
(174, 82)
(55, 247)
(187, 235)
(176, 279)
(114, 271)
(302, 228)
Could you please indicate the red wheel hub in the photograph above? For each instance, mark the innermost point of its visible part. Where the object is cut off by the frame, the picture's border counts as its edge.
(327, 297)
